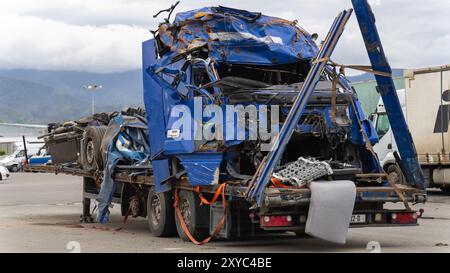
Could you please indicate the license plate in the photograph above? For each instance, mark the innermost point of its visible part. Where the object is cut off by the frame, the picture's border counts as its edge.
(358, 219)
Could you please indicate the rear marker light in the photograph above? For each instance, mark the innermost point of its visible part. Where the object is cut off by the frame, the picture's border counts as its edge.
(277, 221)
(404, 218)
(378, 217)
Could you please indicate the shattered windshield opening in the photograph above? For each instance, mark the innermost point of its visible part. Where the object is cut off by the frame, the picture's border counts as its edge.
(271, 75)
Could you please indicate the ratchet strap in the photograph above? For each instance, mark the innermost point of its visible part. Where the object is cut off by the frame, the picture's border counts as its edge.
(334, 95)
(278, 184)
(220, 190)
(216, 195)
(363, 68)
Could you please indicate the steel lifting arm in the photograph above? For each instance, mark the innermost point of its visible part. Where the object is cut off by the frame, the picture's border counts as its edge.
(264, 173)
(403, 138)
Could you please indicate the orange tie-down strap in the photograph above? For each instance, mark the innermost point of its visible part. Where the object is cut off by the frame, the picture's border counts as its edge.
(275, 183)
(216, 195)
(221, 223)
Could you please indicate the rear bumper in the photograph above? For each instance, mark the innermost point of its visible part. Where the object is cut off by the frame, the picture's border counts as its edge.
(368, 211)
(372, 218)
(277, 197)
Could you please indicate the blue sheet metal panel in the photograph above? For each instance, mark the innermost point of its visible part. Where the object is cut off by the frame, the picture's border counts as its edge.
(162, 174)
(163, 77)
(39, 160)
(356, 136)
(174, 146)
(236, 36)
(154, 103)
(388, 92)
(299, 105)
(180, 145)
(203, 169)
(153, 100)
(116, 152)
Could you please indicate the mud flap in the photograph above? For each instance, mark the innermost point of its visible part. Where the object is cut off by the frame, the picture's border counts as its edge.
(330, 210)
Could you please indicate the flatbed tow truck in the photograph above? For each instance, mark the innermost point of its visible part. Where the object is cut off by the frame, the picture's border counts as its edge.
(232, 188)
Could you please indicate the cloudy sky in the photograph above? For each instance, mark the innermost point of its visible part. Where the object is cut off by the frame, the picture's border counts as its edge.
(105, 35)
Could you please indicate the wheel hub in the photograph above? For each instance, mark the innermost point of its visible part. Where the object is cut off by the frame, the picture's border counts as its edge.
(394, 177)
(156, 210)
(90, 152)
(185, 211)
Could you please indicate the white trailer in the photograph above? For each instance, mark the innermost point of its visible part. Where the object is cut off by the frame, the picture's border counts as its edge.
(426, 105)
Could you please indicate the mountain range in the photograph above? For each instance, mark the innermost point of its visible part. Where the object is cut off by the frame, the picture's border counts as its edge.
(41, 96)
(34, 96)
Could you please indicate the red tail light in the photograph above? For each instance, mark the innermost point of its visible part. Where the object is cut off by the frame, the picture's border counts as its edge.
(276, 221)
(404, 218)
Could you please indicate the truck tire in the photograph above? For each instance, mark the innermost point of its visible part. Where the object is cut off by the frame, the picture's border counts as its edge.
(160, 214)
(446, 190)
(91, 157)
(396, 174)
(302, 234)
(195, 216)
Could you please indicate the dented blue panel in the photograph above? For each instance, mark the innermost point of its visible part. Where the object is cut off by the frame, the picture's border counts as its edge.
(236, 36)
(153, 100)
(203, 169)
(161, 173)
(154, 105)
(356, 136)
(126, 144)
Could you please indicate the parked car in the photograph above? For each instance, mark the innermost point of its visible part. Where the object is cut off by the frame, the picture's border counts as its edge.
(13, 161)
(41, 158)
(4, 173)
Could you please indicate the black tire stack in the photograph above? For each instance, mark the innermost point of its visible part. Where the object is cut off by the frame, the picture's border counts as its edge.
(91, 143)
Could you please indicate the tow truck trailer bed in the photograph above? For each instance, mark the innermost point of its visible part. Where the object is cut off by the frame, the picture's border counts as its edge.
(285, 196)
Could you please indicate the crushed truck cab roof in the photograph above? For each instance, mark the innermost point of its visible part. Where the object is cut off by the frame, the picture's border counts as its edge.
(235, 36)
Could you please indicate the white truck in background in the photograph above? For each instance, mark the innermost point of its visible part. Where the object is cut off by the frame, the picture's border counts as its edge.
(426, 106)
(13, 162)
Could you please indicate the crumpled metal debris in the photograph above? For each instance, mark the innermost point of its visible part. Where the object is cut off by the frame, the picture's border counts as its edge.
(235, 36)
(303, 171)
(124, 141)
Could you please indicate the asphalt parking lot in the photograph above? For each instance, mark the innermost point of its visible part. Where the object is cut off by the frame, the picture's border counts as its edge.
(40, 213)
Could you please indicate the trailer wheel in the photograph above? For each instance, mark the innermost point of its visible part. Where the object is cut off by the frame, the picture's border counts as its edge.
(195, 216)
(396, 174)
(90, 151)
(160, 214)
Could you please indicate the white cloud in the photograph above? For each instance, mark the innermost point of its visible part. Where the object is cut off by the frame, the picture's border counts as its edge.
(106, 35)
(32, 42)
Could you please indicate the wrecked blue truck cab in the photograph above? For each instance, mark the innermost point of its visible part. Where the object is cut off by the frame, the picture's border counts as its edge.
(208, 64)
(223, 56)
(248, 127)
